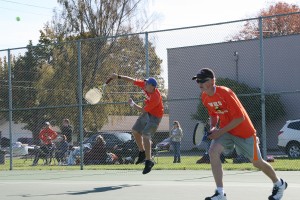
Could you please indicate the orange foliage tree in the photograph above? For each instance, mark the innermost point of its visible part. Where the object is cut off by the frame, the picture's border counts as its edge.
(272, 26)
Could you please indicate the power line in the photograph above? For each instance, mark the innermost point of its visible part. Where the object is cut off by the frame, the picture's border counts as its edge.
(23, 11)
(27, 4)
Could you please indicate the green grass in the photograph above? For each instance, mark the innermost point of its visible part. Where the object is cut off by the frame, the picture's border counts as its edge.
(163, 163)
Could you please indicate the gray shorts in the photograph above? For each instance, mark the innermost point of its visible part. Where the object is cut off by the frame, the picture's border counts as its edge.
(146, 124)
(245, 146)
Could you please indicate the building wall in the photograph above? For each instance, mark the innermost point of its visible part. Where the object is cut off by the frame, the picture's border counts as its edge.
(281, 66)
(17, 131)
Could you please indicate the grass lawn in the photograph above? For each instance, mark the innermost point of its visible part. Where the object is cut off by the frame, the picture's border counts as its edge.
(162, 163)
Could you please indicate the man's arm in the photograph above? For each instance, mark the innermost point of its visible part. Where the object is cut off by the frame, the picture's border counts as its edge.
(135, 106)
(231, 125)
(125, 78)
(213, 121)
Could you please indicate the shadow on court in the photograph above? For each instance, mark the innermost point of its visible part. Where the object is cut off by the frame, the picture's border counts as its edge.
(84, 192)
(132, 185)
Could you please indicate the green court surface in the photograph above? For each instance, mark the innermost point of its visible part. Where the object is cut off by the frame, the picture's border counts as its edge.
(132, 185)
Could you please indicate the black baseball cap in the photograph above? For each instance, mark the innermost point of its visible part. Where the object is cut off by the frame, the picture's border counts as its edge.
(204, 73)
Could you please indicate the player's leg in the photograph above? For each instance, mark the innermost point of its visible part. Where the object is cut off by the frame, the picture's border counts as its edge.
(249, 147)
(147, 144)
(225, 145)
(148, 132)
(279, 184)
(137, 134)
(140, 143)
(138, 139)
(215, 151)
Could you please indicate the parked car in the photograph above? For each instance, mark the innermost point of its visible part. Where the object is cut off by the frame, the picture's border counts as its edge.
(111, 138)
(24, 140)
(164, 145)
(126, 152)
(289, 138)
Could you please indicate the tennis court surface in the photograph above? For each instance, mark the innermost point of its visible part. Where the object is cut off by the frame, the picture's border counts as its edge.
(132, 185)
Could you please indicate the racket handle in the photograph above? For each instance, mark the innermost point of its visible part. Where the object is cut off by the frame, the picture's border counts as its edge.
(206, 134)
(107, 82)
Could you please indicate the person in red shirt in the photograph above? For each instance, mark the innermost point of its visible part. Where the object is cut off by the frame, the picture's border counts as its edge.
(148, 122)
(235, 131)
(46, 135)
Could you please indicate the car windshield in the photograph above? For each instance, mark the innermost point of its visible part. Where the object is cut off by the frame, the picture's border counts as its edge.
(123, 136)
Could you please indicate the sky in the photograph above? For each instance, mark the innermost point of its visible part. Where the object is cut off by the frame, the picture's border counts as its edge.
(168, 14)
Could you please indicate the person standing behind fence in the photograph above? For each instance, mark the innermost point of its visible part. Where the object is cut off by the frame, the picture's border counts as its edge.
(176, 135)
(67, 130)
(235, 130)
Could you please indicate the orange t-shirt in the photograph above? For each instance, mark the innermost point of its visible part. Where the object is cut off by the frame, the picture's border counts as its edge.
(47, 134)
(225, 104)
(153, 102)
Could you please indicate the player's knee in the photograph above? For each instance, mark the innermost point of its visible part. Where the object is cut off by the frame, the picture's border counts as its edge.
(214, 152)
(257, 163)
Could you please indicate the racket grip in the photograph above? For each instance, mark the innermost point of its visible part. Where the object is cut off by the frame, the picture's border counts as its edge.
(205, 137)
(107, 82)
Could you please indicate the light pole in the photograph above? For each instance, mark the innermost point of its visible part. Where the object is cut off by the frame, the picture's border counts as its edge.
(236, 59)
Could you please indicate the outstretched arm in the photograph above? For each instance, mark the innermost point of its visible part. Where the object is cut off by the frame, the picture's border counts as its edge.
(125, 78)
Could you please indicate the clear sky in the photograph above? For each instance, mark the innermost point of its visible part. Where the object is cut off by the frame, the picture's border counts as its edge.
(168, 14)
(171, 14)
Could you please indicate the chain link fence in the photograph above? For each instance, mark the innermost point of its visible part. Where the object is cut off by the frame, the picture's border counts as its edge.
(42, 84)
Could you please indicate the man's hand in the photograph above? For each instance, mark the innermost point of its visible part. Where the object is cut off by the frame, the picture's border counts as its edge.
(214, 133)
(131, 102)
(114, 76)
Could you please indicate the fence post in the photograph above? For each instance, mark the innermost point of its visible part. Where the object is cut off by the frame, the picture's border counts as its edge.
(9, 109)
(147, 55)
(80, 117)
(262, 90)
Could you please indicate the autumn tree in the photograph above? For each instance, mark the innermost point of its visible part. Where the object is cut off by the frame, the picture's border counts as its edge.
(272, 26)
(3, 86)
(96, 24)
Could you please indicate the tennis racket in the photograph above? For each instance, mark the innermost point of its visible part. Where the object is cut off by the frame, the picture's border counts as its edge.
(200, 134)
(94, 95)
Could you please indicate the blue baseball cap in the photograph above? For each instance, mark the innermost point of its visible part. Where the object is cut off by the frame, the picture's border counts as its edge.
(151, 81)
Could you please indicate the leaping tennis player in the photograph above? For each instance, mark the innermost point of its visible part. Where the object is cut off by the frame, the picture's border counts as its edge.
(148, 122)
(236, 130)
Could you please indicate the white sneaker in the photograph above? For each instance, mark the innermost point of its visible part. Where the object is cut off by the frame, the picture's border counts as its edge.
(277, 192)
(217, 196)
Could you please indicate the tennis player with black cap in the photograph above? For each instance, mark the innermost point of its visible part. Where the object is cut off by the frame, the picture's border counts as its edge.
(148, 122)
(235, 131)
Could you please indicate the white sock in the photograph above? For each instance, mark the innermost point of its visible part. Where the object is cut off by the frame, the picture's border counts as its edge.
(220, 190)
(278, 183)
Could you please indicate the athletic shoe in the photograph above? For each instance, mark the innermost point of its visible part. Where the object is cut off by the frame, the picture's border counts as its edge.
(277, 192)
(148, 166)
(217, 196)
(141, 157)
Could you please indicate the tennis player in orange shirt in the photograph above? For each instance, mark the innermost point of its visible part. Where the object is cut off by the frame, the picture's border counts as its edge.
(148, 122)
(235, 131)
